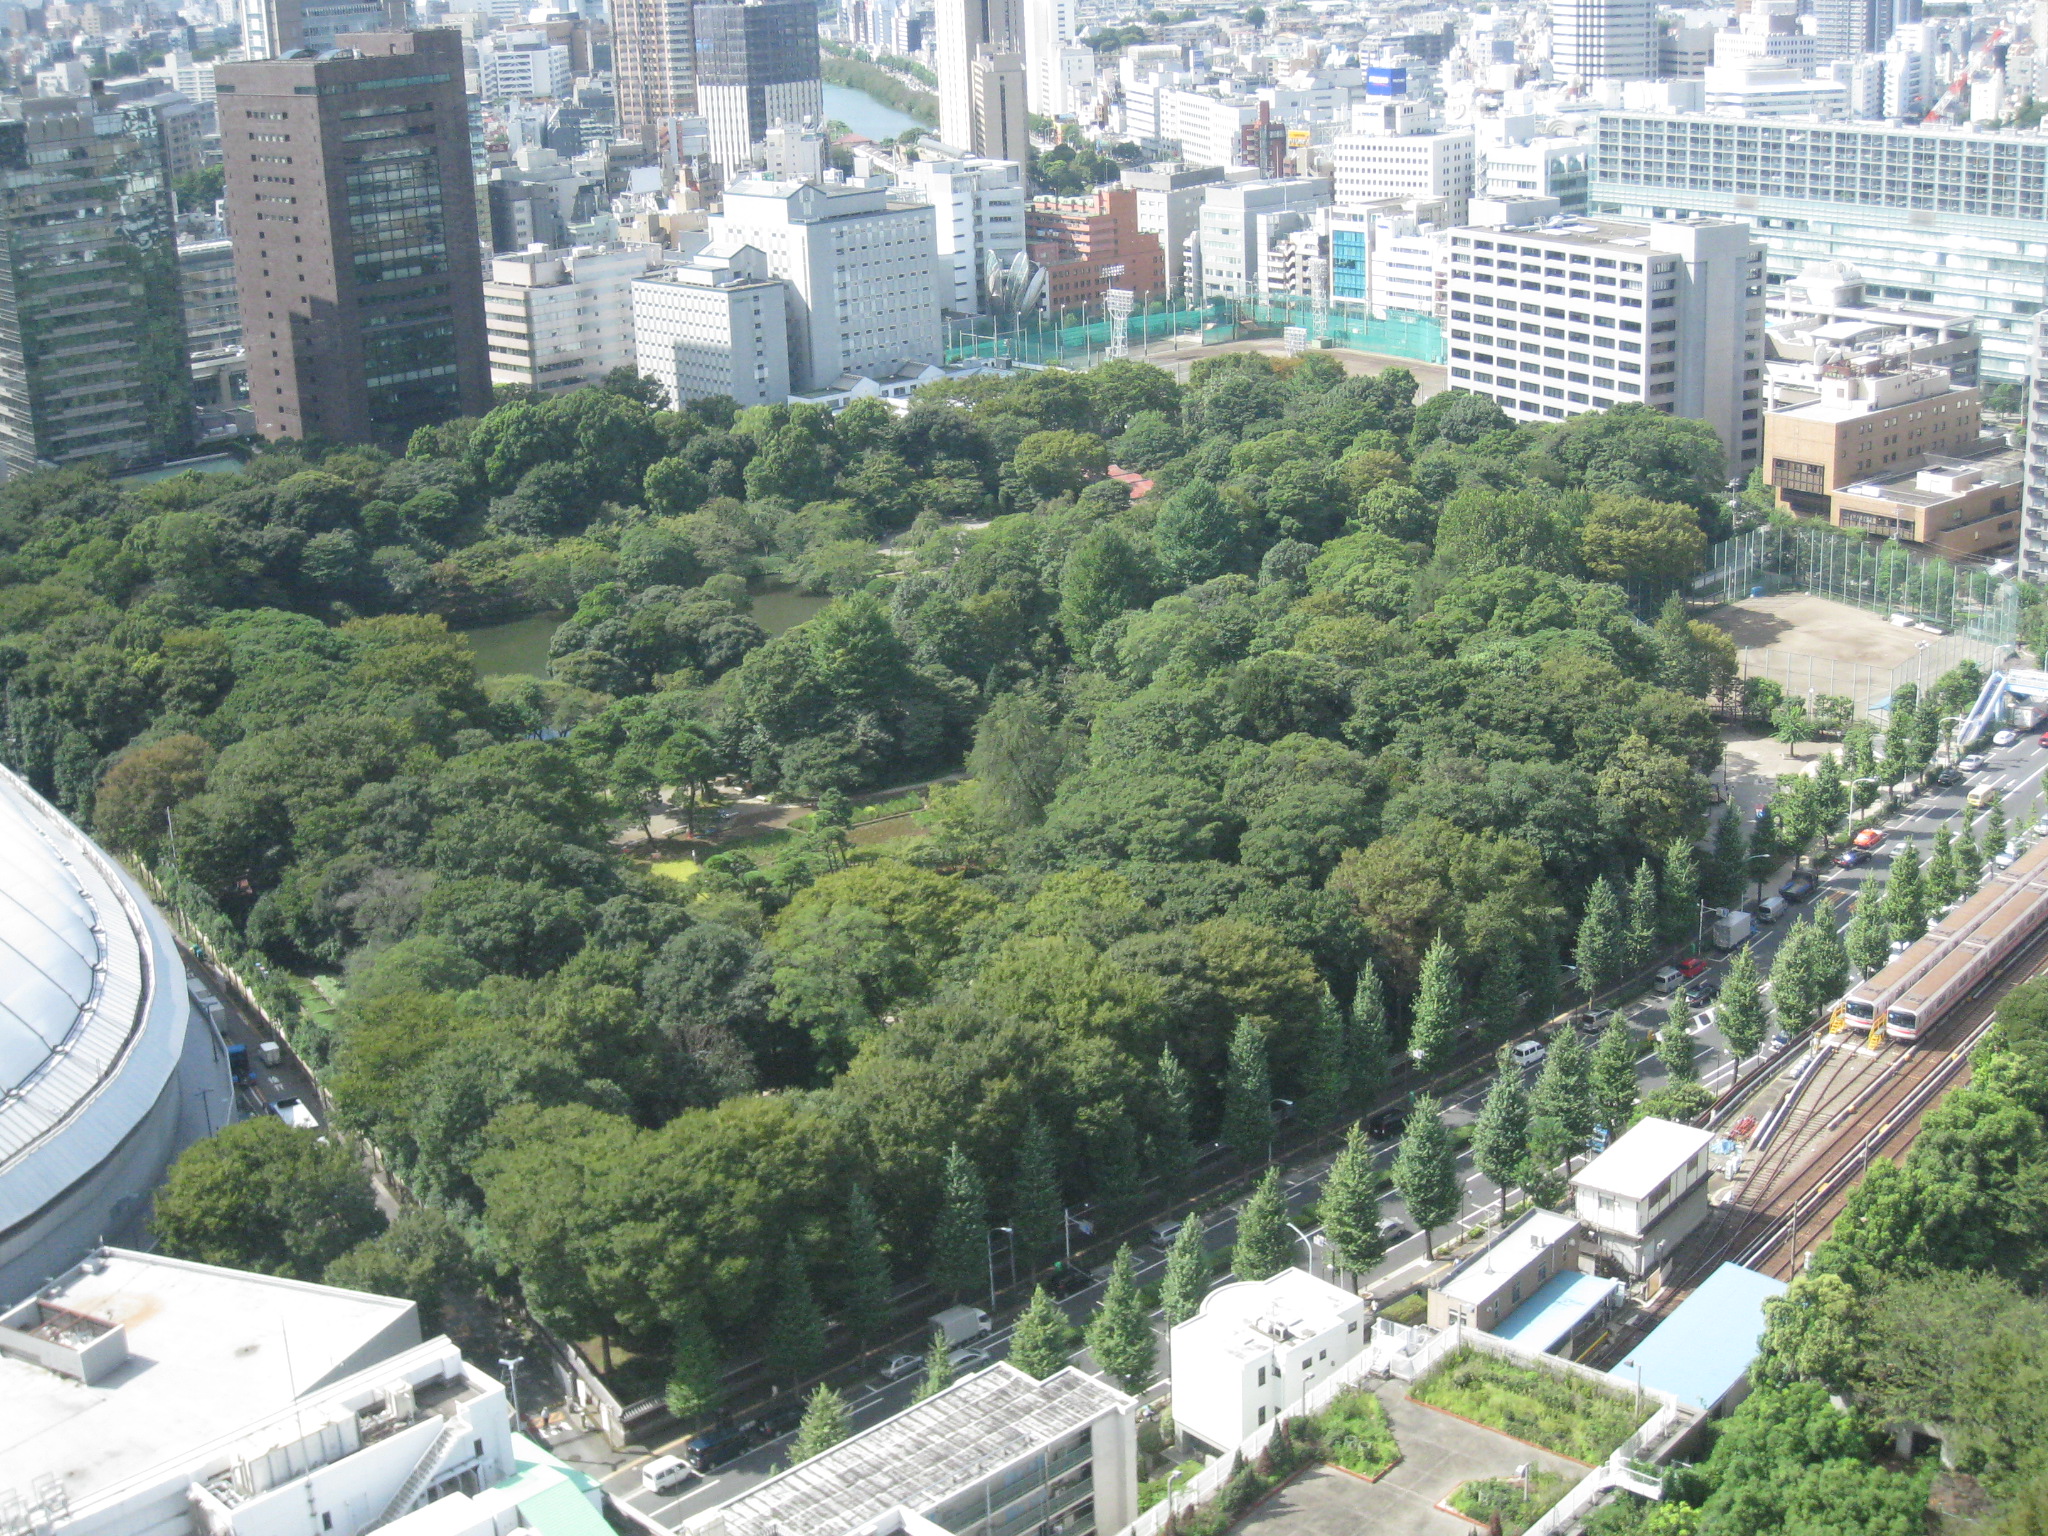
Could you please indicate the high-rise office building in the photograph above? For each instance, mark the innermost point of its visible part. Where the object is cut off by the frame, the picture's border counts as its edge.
(1604, 39)
(273, 28)
(860, 271)
(2034, 516)
(1551, 321)
(982, 90)
(1435, 167)
(350, 192)
(1058, 65)
(92, 331)
(1930, 215)
(757, 65)
(1170, 206)
(653, 65)
(980, 218)
(1846, 28)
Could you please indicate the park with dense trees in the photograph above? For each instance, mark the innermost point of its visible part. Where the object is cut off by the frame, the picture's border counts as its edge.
(1285, 773)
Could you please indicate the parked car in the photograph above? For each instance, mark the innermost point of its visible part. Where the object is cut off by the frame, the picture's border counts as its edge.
(1800, 886)
(2006, 860)
(1383, 1127)
(1849, 858)
(1771, 908)
(1869, 837)
(1948, 777)
(293, 1112)
(1692, 966)
(781, 1419)
(2005, 738)
(1528, 1053)
(1164, 1232)
(1589, 1024)
(899, 1366)
(1668, 980)
(666, 1475)
(968, 1358)
(712, 1449)
(1701, 993)
(1393, 1229)
(1971, 764)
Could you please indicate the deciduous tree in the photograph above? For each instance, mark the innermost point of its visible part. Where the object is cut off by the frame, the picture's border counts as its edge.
(1439, 1004)
(1043, 1338)
(1350, 1206)
(1500, 1137)
(1265, 1246)
(1248, 1093)
(1426, 1170)
(959, 1254)
(1120, 1335)
(1614, 1075)
(1188, 1272)
(827, 1420)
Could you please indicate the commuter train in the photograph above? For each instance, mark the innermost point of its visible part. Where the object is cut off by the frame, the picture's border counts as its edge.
(1917, 989)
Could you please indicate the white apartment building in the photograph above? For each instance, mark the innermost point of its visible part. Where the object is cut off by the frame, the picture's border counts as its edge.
(1242, 221)
(1603, 39)
(1554, 320)
(1644, 1194)
(1408, 266)
(860, 270)
(978, 216)
(1209, 129)
(1432, 166)
(1254, 1349)
(995, 1454)
(140, 1393)
(523, 65)
(1934, 216)
(716, 325)
(982, 86)
(2034, 498)
(560, 319)
(1773, 90)
(1536, 167)
(1050, 30)
(185, 76)
(1170, 206)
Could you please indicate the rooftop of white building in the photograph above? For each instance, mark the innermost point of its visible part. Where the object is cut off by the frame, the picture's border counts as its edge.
(1650, 1152)
(1477, 1278)
(1247, 1318)
(921, 1457)
(207, 1352)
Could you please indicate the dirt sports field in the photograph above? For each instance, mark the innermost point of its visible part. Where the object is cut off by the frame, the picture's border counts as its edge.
(1814, 626)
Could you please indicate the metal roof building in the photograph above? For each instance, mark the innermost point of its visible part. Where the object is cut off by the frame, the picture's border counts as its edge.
(1701, 1352)
(105, 1074)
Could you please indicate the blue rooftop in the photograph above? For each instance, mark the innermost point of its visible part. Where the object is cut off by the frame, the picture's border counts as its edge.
(1700, 1352)
(1555, 1308)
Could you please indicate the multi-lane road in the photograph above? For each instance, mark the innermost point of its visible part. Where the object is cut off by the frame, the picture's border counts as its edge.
(2017, 771)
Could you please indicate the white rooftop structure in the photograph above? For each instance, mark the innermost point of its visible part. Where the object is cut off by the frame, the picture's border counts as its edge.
(1255, 1348)
(145, 1394)
(992, 1439)
(1479, 1278)
(100, 1057)
(1650, 1153)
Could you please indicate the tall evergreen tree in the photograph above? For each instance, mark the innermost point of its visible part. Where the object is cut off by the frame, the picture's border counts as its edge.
(1265, 1245)
(1118, 1173)
(1828, 957)
(1797, 988)
(1870, 935)
(1725, 879)
(1997, 836)
(1247, 1094)
(1564, 1094)
(1326, 1077)
(1173, 1148)
(796, 1328)
(1601, 946)
(826, 1421)
(1969, 862)
(1675, 1046)
(866, 1287)
(1350, 1206)
(1426, 1170)
(1120, 1335)
(1740, 1010)
(1943, 880)
(1500, 1137)
(959, 1257)
(1614, 1076)
(695, 1370)
(1368, 1047)
(1639, 933)
(1905, 895)
(1043, 1338)
(1680, 902)
(938, 1369)
(1036, 1209)
(1500, 991)
(1188, 1272)
(1439, 1005)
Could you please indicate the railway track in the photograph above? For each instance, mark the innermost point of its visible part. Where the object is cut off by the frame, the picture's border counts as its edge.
(1857, 1109)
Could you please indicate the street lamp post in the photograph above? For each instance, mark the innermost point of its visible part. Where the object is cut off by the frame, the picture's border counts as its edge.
(1308, 1245)
(1273, 1125)
(991, 1244)
(510, 1366)
(1176, 1472)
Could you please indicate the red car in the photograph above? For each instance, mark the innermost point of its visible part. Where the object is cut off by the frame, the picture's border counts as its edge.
(1870, 837)
(2044, 738)
(1691, 968)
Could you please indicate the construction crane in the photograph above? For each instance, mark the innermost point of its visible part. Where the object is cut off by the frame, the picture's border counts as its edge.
(1961, 83)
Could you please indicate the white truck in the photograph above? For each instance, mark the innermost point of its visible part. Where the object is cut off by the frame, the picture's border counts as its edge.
(959, 1324)
(1730, 929)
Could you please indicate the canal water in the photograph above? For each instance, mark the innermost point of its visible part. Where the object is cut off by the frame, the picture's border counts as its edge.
(865, 115)
(520, 648)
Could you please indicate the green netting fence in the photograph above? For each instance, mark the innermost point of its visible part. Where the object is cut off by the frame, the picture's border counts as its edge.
(1079, 338)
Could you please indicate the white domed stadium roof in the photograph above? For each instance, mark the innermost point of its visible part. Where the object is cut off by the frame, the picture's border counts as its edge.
(93, 1009)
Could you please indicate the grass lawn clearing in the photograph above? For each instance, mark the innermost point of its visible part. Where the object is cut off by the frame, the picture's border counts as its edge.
(1409, 1310)
(1560, 1412)
(1357, 1436)
(676, 869)
(1518, 1506)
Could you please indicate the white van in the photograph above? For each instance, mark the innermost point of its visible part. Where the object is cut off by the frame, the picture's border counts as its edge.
(1771, 908)
(1668, 980)
(1528, 1053)
(665, 1474)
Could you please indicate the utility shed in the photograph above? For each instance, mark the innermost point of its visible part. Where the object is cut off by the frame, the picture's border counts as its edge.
(1563, 1310)
(1700, 1354)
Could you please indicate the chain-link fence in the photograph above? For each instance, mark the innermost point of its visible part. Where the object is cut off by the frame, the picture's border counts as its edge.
(1879, 576)
(1079, 338)
(1806, 676)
